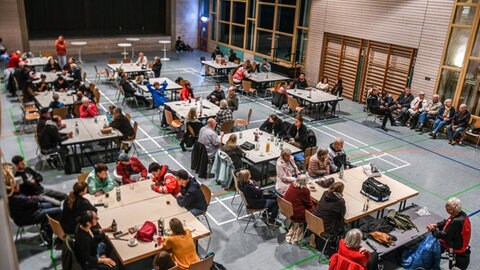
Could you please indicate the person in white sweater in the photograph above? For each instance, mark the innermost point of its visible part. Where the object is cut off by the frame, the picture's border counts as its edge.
(323, 84)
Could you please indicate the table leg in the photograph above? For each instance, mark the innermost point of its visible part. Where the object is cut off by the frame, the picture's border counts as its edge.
(133, 51)
(124, 53)
(80, 55)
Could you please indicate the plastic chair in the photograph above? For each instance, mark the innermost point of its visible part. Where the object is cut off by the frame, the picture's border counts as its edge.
(174, 123)
(82, 177)
(315, 225)
(243, 122)
(227, 126)
(205, 264)
(62, 112)
(247, 87)
(99, 74)
(293, 105)
(57, 233)
(131, 140)
(207, 193)
(250, 210)
(44, 156)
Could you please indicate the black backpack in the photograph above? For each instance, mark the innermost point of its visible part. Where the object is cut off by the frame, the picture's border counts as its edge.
(311, 138)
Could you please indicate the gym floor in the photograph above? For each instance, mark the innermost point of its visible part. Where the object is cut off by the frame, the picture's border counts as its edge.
(433, 167)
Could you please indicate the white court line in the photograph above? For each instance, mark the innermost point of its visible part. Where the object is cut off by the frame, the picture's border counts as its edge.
(228, 208)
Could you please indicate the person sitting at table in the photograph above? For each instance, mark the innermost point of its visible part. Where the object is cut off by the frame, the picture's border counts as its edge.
(181, 245)
(216, 52)
(75, 72)
(142, 60)
(127, 166)
(88, 109)
(192, 120)
(319, 164)
(297, 133)
(74, 206)
(374, 106)
(160, 91)
(459, 124)
(60, 84)
(187, 91)
(157, 66)
(55, 104)
(164, 180)
(337, 156)
(191, 196)
(163, 261)
(43, 85)
(444, 117)
(51, 66)
(232, 99)
(282, 90)
(298, 194)
(337, 90)
(331, 209)
(121, 123)
(67, 67)
(351, 249)
(216, 95)
(323, 85)
(130, 92)
(223, 115)
(209, 138)
(287, 171)
(232, 55)
(273, 125)
(265, 66)
(87, 92)
(28, 93)
(454, 232)
(234, 151)
(90, 251)
(301, 82)
(429, 113)
(241, 73)
(99, 180)
(255, 197)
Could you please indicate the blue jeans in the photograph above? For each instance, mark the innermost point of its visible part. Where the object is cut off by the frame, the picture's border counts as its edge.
(452, 134)
(62, 60)
(47, 209)
(272, 208)
(438, 125)
(423, 117)
(196, 212)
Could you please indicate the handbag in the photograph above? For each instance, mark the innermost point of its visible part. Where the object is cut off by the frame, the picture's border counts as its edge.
(375, 190)
(247, 146)
(383, 238)
(295, 233)
(325, 182)
(147, 231)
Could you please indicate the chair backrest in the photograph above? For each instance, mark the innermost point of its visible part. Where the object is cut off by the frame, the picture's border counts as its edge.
(254, 66)
(107, 73)
(285, 207)
(292, 103)
(76, 109)
(291, 84)
(205, 264)
(246, 85)
(112, 61)
(207, 193)
(135, 128)
(249, 116)
(168, 116)
(96, 69)
(127, 60)
(84, 77)
(191, 131)
(230, 80)
(96, 94)
(310, 151)
(62, 112)
(56, 228)
(82, 177)
(314, 223)
(344, 263)
(227, 126)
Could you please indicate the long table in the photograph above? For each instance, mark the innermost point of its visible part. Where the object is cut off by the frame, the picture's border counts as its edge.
(37, 61)
(354, 200)
(315, 97)
(171, 85)
(50, 77)
(221, 69)
(181, 108)
(44, 98)
(266, 77)
(128, 68)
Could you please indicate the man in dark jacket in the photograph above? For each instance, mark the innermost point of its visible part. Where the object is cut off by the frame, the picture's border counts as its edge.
(130, 92)
(402, 104)
(191, 196)
(49, 138)
(60, 84)
(75, 72)
(301, 82)
(374, 106)
(331, 208)
(297, 133)
(31, 182)
(121, 123)
(216, 52)
(216, 95)
(459, 124)
(273, 125)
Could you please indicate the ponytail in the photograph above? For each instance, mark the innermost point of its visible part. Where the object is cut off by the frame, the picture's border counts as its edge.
(78, 188)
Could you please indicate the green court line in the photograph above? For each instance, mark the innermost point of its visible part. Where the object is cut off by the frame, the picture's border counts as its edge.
(387, 150)
(462, 191)
(301, 261)
(19, 141)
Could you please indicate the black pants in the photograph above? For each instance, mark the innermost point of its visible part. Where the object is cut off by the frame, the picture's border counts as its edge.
(387, 115)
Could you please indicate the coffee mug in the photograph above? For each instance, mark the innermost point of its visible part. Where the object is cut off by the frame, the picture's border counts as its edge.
(132, 241)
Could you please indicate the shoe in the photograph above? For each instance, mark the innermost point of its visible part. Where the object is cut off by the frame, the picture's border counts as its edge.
(394, 124)
(434, 136)
(51, 163)
(384, 129)
(453, 142)
(419, 129)
(449, 141)
(412, 127)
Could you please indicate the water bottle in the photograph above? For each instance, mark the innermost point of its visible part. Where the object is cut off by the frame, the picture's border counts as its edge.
(281, 146)
(161, 230)
(340, 173)
(240, 135)
(77, 130)
(277, 140)
(257, 146)
(119, 194)
(272, 137)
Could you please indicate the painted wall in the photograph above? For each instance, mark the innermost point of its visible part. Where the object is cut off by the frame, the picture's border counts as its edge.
(12, 21)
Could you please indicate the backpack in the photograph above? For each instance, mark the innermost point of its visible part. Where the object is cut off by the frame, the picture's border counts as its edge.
(425, 256)
(400, 220)
(311, 138)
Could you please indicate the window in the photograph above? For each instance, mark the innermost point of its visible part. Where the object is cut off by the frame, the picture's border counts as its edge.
(285, 19)
(301, 46)
(283, 47)
(457, 47)
(448, 83)
(225, 10)
(250, 35)
(238, 33)
(238, 12)
(223, 32)
(264, 42)
(476, 47)
(265, 18)
(464, 15)
(252, 8)
(213, 27)
(471, 88)
(304, 11)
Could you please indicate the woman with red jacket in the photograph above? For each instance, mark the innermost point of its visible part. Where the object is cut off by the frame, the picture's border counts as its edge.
(128, 166)
(298, 195)
(351, 249)
(187, 91)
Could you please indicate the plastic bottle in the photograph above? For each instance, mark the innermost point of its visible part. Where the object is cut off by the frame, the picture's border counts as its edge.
(281, 145)
(340, 173)
(161, 230)
(77, 130)
(119, 194)
(257, 146)
(240, 135)
(267, 146)
(272, 137)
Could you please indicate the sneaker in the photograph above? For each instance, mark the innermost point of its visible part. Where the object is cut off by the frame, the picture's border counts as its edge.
(51, 163)
(384, 129)
(454, 142)
(450, 141)
(434, 136)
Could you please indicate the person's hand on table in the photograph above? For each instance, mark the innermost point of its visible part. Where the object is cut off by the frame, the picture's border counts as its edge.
(364, 250)
(99, 193)
(179, 195)
(70, 134)
(108, 229)
(431, 227)
(107, 261)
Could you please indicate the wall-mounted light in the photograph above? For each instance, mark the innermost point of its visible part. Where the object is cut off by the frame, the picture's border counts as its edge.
(204, 19)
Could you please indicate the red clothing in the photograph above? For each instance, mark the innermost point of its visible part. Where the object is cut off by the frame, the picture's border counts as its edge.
(60, 47)
(338, 262)
(186, 93)
(300, 200)
(169, 184)
(14, 60)
(354, 255)
(136, 168)
(89, 111)
(240, 74)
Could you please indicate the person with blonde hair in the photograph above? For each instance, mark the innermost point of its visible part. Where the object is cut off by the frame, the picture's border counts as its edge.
(223, 115)
(319, 164)
(234, 151)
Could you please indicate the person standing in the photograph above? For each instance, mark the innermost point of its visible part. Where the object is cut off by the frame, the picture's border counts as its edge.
(61, 48)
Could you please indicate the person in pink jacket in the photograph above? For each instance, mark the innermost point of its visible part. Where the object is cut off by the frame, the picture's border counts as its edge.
(88, 109)
(287, 171)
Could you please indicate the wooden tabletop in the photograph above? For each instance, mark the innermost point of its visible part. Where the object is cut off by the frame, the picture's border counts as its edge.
(317, 96)
(89, 130)
(44, 98)
(264, 77)
(215, 65)
(128, 68)
(181, 108)
(354, 200)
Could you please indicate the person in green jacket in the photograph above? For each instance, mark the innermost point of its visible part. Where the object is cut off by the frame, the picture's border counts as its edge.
(99, 180)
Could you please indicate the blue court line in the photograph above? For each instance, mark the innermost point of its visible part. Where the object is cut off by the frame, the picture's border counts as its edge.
(474, 213)
(421, 147)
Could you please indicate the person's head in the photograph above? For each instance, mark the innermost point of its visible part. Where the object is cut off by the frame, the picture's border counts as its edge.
(217, 87)
(43, 77)
(60, 38)
(111, 108)
(223, 104)
(301, 181)
(57, 120)
(156, 59)
(176, 226)
(71, 60)
(282, 85)
(273, 118)
(339, 81)
(45, 113)
(140, 55)
(101, 170)
(117, 112)
(435, 98)
(301, 76)
(421, 95)
(231, 52)
(182, 177)
(179, 38)
(51, 61)
(60, 79)
(79, 189)
(212, 123)
(124, 159)
(374, 91)
(322, 153)
(124, 76)
(264, 60)
(192, 114)
(298, 121)
(187, 83)
(324, 80)
(338, 143)
(88, 219)
(337, 187)
(453, 206)
(448, 103)
(73, 66)
(56, 97)
(232, 140)
(462, 108)
(217, 48)
(19, 162)
(243, 176)
(156, 85)
(163, 260)
(353, 239)
(85, 101)
(231, 91)
(286, 154)
(79, 95)
(156, 169)
(408, 90)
